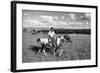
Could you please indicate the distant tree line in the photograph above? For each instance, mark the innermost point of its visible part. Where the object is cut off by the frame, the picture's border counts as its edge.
(60, 31)
(70, 31)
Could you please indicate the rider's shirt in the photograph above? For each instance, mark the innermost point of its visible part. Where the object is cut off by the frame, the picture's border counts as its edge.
(51, 34)
(52, 38)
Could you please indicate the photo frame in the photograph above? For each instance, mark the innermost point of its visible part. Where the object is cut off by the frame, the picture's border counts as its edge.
(30, 20)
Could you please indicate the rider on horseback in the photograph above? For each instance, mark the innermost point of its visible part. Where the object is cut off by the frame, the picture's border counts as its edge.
(52, 37)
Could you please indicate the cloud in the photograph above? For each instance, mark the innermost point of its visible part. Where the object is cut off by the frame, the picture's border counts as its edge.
(87, 15)
(72, 16)
(53, 21)
(55, 17)
(32, 23)
(62, 17)
(50, 19)
(26, 14)
(35, 21)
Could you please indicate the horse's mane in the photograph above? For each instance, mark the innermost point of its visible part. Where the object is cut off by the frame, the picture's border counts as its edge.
(59, 36)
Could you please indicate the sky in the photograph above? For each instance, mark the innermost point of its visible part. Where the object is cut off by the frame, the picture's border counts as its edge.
(47, 19)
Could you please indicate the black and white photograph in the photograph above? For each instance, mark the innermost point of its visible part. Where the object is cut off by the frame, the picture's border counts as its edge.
(51, 36)
(55, 36)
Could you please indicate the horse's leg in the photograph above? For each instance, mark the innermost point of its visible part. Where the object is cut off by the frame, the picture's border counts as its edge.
(61, 51)
(38, 51)
(54, 51)
(44, 51)
(54, 47)
(71, 45)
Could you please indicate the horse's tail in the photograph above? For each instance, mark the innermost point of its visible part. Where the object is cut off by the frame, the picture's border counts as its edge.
(38, 40)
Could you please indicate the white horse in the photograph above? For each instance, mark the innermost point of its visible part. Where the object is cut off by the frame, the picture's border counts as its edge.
(44, 42)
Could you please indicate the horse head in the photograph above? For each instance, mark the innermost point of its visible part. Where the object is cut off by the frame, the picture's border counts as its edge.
(38, 40)
(67, 38)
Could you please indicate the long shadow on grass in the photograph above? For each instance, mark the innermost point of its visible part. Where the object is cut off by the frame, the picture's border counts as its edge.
(36, 49)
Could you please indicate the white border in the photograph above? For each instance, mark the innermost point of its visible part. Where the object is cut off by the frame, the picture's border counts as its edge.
(21, 65)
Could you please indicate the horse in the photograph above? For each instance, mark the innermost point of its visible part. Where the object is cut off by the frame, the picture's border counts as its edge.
(59, 43)
(45, 43)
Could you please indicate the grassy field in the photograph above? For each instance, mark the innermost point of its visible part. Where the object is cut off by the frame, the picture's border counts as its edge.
(80, 49)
